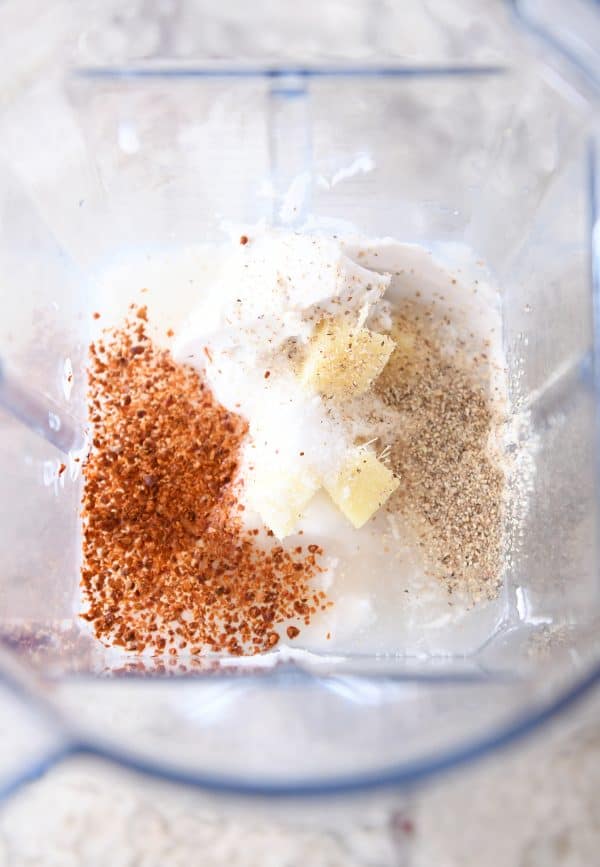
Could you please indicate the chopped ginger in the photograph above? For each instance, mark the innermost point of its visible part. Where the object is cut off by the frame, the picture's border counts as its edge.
(362, 486)
(342, 361)
(280, 498)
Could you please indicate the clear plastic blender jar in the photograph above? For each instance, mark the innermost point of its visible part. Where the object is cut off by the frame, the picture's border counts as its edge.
(141, 155)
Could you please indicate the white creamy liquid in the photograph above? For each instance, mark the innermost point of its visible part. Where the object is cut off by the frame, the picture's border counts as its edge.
(384, 602)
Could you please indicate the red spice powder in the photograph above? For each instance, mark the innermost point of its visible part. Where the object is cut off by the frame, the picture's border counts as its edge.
(167, 563)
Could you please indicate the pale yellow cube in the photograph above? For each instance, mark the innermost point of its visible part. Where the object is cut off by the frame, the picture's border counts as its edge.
(362, 486)
(280, 498)
(342, 361)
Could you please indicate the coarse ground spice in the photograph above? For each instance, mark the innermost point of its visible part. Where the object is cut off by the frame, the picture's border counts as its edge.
(452, 482)
(167, 564)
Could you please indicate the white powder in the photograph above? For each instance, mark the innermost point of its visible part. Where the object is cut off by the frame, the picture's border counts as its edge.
(271, 294)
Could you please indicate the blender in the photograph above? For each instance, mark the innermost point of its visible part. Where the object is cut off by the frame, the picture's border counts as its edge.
(150, 142)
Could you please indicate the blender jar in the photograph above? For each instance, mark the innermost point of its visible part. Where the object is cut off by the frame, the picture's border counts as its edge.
(135, 157)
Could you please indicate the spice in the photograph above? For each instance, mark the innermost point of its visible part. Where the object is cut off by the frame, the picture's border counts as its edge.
(452, 484)
(167, 562)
